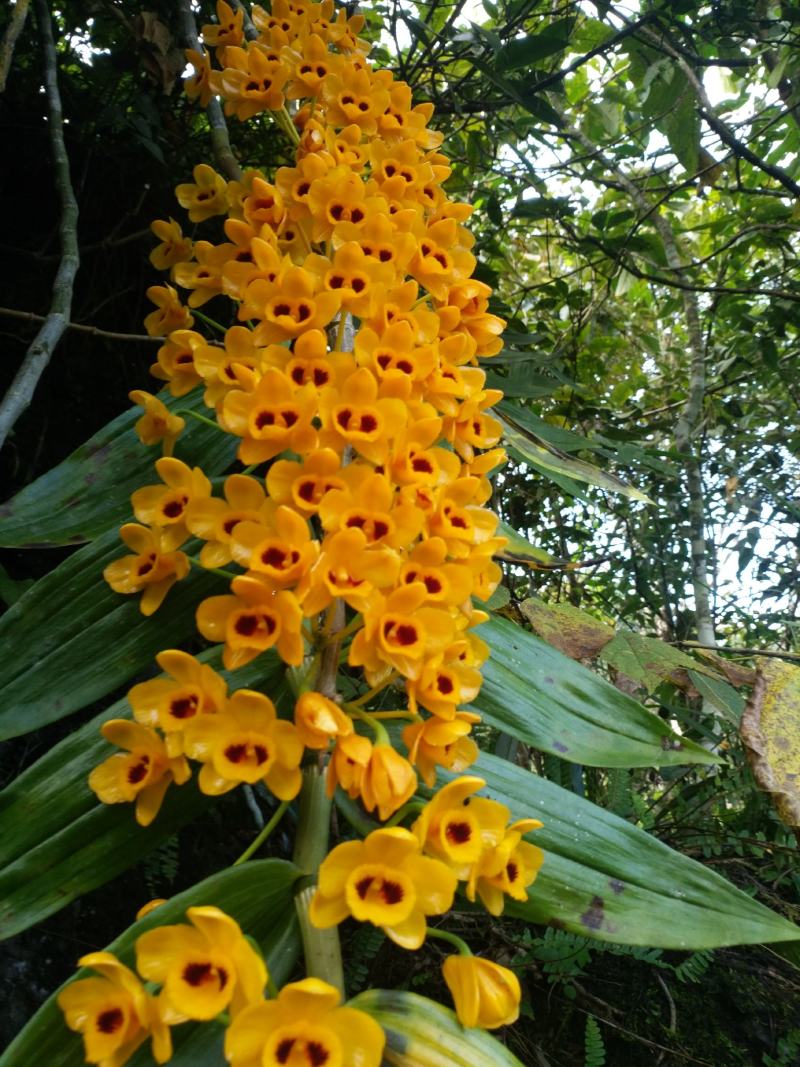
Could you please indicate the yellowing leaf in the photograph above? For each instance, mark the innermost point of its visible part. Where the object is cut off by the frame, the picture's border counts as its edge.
(567, 628)
(771, 732)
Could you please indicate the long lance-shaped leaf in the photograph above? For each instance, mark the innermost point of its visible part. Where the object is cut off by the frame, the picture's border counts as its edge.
(604, 878)
(258, 895)
(71, 639)
(421, 1033)
(530, 448)
(545, 699)
(60, 842)
(90, 491)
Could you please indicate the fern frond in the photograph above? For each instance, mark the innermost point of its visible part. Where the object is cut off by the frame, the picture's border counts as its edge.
(594, 1047)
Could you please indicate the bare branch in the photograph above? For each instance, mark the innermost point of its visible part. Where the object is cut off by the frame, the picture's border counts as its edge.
(220, 141)
(13, 30)
(94, 331)
(20, 392)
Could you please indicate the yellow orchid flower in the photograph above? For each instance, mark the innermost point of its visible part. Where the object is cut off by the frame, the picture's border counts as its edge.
(203, 969)
(304, 1026)
(485, 994)
(385, 880)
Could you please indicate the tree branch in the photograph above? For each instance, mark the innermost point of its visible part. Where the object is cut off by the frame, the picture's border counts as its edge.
(13, 30)
(220, 141)
(21, 390)
(95, 331)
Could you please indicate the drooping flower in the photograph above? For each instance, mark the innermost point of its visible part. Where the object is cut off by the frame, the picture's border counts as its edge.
(113, 1013)
(144, 775)
(485, 994)
(319, 720)
(158, 423)
(384, 880)
(151, 571)
(304, 1027)
(203, 969)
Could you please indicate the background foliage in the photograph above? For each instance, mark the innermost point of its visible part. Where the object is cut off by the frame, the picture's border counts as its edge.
(634, 172)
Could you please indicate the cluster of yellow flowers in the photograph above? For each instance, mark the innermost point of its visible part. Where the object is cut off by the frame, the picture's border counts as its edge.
(351, 378)
(203, 970)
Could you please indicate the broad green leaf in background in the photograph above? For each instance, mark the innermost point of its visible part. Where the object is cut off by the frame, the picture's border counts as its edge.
(71, 639)
(720, 695)
(538, 695)
(54, 824)
(530, 448)
(525, 51)
(90, 491)
(771, 732)
(421, 1033)
(258, 895)
(603, 877)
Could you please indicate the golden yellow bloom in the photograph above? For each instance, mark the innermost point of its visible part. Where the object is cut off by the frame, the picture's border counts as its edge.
(158, 423)
(508, 868)
(304, 1027)
(193, 688)
(165, 505)
(201, 86)
(144, 775)
(151, 905)
(174, 247)
(152, 571)
(170, 314)
(257, 616)
(228, 28)
(204, 197)
(246, 743)
(175, 361)
(389, 781)
(348, 764)
(485, 994)
(384, 880)
(215, 520)
(319, 720)
(435, 743)
(114, 1013)
(204, 968)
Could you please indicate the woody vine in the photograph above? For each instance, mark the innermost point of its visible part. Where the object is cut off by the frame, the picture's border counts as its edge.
(354, 537)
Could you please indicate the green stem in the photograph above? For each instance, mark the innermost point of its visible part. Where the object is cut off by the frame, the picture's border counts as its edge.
(227, 575)
(411, 808)
(200, 418)
(208, 321)
(263, 835)
(323, 954)
(443, 935)
(381, 736)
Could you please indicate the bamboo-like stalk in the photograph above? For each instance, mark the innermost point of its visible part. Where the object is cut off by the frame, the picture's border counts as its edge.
(20, 392)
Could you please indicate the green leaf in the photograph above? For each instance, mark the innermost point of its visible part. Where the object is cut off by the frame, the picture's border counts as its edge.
(60, 842)
(529, 447)
(258, 895)
(421, 1033)
(71, 639)
(681, 124)
(645, 660)
(541, 697)
(90, 491)
(525, 51)
(520, 550)
(604, 878)
(720, 694)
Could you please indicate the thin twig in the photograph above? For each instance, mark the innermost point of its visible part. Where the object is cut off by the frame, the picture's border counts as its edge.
(13, 30)
(739, 651)
(95, 331)
(21, 390)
